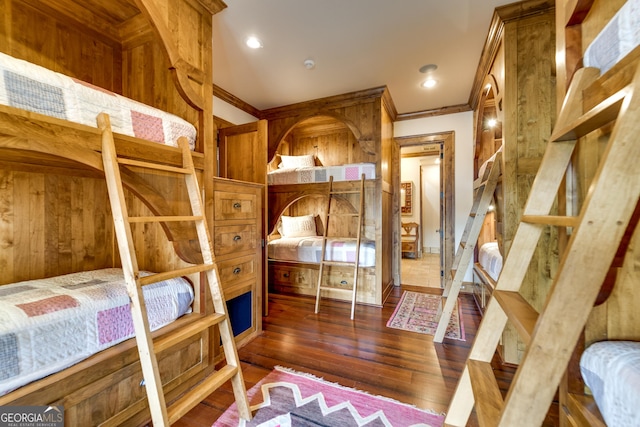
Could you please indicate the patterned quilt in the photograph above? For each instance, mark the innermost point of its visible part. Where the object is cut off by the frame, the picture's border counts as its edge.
(619, 37)
(33, 88)
(611, 369)
(309, 249)
(50, 324)
(350, 172)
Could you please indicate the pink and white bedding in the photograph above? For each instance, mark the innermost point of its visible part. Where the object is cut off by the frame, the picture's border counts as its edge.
(490, 259)
(619, 37)
(309, 249)
(611, 369)
(50, 324)
(33, 88)
(305, 175)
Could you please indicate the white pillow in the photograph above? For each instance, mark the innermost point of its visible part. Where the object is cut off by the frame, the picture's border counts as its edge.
(298, 226)
(291, 162)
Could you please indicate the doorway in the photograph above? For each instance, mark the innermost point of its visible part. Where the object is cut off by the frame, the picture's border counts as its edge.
(427, 165)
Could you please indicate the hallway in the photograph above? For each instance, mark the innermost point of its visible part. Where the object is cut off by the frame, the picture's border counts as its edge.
(423, 272)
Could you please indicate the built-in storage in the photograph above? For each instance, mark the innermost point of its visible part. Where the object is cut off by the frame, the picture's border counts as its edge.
(237, 241)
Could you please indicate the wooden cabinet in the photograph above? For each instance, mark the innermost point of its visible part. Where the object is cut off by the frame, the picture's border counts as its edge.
(238, 224)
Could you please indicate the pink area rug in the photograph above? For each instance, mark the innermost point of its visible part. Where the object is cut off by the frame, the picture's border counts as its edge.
(287, 398)
(418, 312)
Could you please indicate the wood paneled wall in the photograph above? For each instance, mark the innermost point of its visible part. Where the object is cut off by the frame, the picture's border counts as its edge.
(52, 224)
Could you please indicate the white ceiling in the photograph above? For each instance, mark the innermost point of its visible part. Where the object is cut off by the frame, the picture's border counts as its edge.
(356, 44)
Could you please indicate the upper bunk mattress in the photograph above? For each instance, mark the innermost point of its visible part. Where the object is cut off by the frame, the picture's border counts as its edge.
(33, 88)
(611, 369)
(309, 249)
(50, 324)
(619, 37)
(306, 175)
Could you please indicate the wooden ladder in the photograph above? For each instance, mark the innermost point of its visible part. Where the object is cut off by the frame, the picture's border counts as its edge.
(160, 414)
(597, 232)
(356, 263)
(484, 188)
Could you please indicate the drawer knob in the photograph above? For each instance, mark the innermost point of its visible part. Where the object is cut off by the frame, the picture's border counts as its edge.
(237, 270)
(237, 205)
(237, 238)
(343, 282)
(285, 275)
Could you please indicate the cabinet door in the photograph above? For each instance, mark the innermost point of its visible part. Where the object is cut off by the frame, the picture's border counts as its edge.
(243, 152)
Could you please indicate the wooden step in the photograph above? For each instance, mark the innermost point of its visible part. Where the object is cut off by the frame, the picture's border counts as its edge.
(523, 316)
(600, 115)
(345, 192)
(197, 394)
(584, 411)
(339, 263)
(155, 166)
(191, 329)
(157, 218)
(159, 277)
(346, 292)
(339, 214)
(489, 402)
(559, 221)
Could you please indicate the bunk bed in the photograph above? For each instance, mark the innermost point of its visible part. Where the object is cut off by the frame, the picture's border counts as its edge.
(308, 144)
(488, 255)
(295, 243)
(603, 368)
(58, 244)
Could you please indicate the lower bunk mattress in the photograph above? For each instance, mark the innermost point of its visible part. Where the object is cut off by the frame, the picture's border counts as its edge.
(47, 325)
(490, 258)
(611, 369)
(309, 249)
(306, 175)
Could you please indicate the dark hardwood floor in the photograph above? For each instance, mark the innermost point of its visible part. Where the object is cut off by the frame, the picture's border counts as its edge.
(363, 354)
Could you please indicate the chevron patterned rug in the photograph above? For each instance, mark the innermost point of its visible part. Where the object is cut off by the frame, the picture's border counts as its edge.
(287, 398)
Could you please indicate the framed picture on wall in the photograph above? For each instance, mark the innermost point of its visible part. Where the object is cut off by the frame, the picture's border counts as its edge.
(406, 198)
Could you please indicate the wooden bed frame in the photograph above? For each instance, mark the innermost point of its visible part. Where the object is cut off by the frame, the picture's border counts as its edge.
(53, 197)
(326, 129)
(577, 24)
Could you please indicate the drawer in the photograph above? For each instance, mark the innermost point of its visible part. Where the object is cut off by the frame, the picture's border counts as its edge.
(236, 270)
(234, 206)
(298, 277)
(234, 238)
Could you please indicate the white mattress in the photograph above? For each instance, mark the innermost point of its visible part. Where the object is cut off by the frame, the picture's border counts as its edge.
(611, 369)
(350, 172)
(309, 249)
(619, 37)
(490, 259)
(50, 324)
(33, 88)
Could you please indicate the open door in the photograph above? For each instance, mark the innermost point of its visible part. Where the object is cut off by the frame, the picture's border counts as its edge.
(243, 157)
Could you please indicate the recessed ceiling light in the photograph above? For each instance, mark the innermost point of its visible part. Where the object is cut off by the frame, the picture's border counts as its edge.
(429, 83)
(492, 122)
(253, 42)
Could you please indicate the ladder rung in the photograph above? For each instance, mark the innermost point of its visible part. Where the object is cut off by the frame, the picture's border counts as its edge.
(598, 116)
(519, 311)
(339, 263)
(178, 218)
(196, 395)
(345, 192)
(472, 214)
(343, 239)
(166, 275)
(463, 245)
(355, 215)
(337, 290)
(191, 329)
(560, 221)
(453, 273)
(489, 402)
(156, 166)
